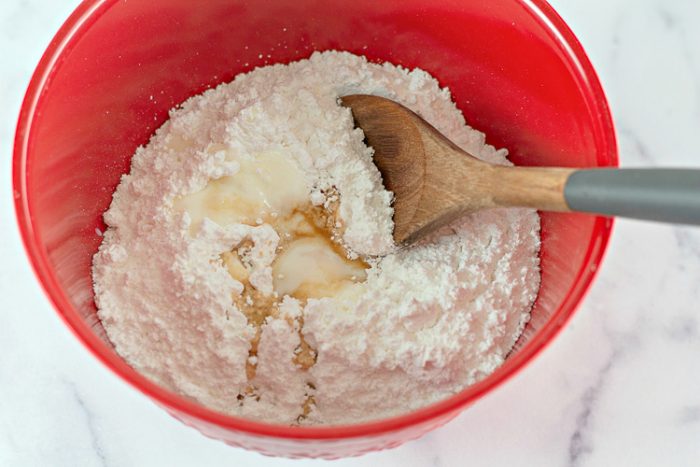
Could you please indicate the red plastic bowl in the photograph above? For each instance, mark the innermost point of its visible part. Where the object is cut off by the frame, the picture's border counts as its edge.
(114, 69)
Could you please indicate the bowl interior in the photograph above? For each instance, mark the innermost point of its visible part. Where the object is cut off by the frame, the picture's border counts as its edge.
(115, 69)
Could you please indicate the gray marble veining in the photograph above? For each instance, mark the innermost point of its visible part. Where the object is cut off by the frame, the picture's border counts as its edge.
(90, 424)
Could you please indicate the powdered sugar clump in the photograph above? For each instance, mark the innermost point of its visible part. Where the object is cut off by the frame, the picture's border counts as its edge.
(427, 322)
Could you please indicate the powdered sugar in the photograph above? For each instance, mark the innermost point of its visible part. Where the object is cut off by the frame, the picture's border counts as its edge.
(427, 321)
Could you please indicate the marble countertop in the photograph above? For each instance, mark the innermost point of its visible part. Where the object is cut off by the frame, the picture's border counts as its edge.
(619, 386)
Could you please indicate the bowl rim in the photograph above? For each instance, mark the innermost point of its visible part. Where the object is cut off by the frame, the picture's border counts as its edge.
(82, 18)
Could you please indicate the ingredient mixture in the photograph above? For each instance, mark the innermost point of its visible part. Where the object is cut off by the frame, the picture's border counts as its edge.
(249, 262)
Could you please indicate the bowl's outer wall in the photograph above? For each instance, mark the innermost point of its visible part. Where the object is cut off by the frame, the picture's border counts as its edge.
(110, 77)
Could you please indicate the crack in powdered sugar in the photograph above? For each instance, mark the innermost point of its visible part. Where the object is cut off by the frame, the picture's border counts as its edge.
(428, 321)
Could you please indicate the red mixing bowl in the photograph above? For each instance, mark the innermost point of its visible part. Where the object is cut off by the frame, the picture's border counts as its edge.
(114, 69)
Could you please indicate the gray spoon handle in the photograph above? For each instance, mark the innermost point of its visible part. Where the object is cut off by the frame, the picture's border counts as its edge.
(665, 195)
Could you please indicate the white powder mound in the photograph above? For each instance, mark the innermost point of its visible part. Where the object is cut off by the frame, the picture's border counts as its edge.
(428, 321)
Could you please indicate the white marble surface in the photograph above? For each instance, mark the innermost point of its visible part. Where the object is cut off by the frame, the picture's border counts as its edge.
(620, 386)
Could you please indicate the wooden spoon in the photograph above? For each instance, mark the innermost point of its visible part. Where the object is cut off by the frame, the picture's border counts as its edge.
(434, 181)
